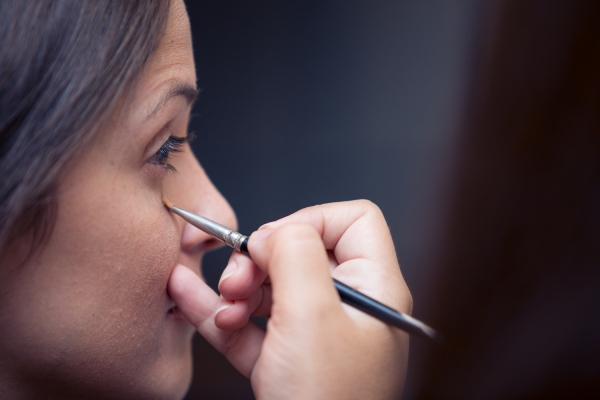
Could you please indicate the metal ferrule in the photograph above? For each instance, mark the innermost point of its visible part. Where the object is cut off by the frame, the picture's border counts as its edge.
(216, 230)
(234, 239)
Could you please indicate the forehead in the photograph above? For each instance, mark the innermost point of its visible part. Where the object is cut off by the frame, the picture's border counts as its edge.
(175, 48)
(172, 61)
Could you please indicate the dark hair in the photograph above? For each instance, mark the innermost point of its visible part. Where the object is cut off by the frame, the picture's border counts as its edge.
(64, 65)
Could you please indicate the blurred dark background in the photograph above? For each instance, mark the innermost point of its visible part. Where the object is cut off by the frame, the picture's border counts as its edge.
(471, 123)
(311, 102)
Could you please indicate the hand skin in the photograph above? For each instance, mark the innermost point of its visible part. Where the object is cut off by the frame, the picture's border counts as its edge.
(315, 347)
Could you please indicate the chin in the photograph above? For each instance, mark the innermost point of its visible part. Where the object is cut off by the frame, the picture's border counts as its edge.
(174, 373)
(174, 383)
(170, 375)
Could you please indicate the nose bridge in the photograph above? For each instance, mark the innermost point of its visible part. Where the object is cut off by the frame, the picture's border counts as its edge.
(213, 205)
(193, 190)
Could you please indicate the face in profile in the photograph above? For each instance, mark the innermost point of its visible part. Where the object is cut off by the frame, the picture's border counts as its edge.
(89, 313)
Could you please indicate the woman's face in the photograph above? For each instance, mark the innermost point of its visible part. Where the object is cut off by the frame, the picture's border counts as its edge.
(89, 315)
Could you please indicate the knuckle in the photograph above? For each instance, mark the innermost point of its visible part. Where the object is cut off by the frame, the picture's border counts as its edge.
(371, 211)
(369, 206)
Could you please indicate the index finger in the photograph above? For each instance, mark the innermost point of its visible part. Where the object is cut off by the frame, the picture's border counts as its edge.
(352, 229)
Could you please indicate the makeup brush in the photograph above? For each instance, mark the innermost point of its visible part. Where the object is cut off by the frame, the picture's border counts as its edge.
(347, 294)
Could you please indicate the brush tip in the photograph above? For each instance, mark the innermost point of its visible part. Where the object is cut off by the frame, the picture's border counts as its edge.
(167, 202)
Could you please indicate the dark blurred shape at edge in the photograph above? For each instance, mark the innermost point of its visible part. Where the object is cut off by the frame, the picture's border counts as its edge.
(518, 286)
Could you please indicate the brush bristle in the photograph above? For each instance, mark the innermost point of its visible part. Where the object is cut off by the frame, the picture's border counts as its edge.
(167, 202)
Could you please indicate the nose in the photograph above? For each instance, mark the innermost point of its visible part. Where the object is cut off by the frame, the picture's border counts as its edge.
(190, 188)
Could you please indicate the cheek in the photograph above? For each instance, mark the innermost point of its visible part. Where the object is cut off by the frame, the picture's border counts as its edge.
(96, 295)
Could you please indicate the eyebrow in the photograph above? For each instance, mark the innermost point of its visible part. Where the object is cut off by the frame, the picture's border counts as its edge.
(177, 89)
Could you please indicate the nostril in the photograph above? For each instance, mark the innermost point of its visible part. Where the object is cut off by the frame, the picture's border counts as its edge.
(202, 246)
(212, 244)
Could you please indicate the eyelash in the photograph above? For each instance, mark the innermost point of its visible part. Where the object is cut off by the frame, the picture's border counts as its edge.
(172, 145)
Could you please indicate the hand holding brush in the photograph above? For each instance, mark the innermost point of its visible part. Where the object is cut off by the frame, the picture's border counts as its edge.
(314, 343)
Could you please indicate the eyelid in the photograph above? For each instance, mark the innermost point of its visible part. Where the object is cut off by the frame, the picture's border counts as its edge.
(156, 131)
(173, 144)
(158, 140)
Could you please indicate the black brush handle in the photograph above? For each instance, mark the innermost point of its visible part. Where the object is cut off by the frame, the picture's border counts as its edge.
(375, 309)
(244, 247)
(384, 313)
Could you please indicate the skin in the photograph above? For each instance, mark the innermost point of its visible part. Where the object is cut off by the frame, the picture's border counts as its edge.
(88, 315)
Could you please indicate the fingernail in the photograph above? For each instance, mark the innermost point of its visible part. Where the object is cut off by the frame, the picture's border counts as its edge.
(228, 271)
(226, 304)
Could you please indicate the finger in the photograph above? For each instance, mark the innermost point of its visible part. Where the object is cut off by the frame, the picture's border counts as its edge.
(333, 262)
(384, 287)
(297, 263)
(197, 303)
(241, 278)
(235, 314)
(263, 308)
(353, 229)
(363, 246)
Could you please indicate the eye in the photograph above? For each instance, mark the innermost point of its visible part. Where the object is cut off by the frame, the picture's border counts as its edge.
(172, 145)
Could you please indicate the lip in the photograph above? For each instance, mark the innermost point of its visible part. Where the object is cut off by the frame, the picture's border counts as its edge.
(171, 307)
(174, 312)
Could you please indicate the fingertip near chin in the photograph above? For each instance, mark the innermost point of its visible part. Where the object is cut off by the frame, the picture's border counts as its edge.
(194, 299)
(180, 279)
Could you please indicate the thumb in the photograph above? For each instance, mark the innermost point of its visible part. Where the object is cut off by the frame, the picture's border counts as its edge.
(197, 302)
(296, 261)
